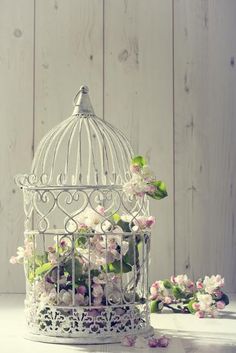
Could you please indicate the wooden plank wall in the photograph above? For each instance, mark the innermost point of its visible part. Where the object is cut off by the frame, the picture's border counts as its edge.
(205, 137)
(164, 72)
(16, 128)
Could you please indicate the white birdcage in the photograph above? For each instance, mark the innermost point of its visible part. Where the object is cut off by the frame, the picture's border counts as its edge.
(86, 258)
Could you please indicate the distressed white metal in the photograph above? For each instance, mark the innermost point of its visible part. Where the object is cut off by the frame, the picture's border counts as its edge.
(87, 264)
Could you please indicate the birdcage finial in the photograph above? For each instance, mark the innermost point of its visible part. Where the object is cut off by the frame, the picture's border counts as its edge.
(82, 102)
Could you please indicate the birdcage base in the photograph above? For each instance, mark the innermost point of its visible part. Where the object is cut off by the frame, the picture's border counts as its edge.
(86, 340)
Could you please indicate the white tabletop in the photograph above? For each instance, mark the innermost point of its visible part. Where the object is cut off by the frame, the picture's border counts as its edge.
(188, 334)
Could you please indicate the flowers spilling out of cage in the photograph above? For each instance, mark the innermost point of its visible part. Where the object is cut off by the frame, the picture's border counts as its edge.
(23, 252)
(203, 298)
(143, 181)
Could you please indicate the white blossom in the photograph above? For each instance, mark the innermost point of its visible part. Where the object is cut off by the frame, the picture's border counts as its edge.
(212, 283)
(205, 301)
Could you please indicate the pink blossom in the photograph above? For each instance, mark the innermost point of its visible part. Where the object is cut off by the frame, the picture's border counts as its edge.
(154, 290)
(200, 314)
(83, 227)
(150, 189)
(157, 284)
(19, 258)
(220, 305)
(196, 306)
(100, 209)
(218, 293)
(153, 342)
(135, 186)
(181, 280)
(135, 168)
(163, 341)
(167, 300)
(112, 255)
(191, 286)
(150, 221)
(128, 341)
(199, 284)
(81, 290)
(63, 243)
(143, 222)
(28, 245)
(220, 281)
(112, 244)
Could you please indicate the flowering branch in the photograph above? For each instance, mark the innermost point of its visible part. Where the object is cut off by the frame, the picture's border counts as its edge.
(203, 298)
(143, 181)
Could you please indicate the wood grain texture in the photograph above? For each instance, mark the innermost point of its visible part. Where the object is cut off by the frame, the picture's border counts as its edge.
(138, 99)
(16, 132)
(68, 54)
(205, 140)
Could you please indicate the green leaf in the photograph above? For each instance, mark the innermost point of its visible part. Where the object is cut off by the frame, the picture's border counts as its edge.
(167, 284)
(43, 269)
(80, 242)
(116, 217)
(139, 160)
(190, 306)
(40, 259)
(160, 192)
(155, 306)
(31, 276)
(126, 267)
(178, 293)
(116, 268)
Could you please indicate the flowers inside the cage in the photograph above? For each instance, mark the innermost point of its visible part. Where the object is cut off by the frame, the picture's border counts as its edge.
(86, 268)
(203, 298)
(143, 182)
(88, 220)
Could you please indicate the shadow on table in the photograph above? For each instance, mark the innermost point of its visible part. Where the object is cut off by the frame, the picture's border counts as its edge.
(231, 315)
(203, 341)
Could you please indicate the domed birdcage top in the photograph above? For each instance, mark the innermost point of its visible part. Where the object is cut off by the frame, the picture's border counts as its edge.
(83, 150)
